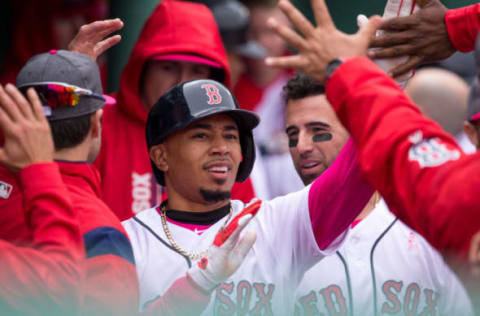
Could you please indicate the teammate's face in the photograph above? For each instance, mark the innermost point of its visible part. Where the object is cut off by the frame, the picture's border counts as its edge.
(203, 157)
(315, 135)
(161, 75)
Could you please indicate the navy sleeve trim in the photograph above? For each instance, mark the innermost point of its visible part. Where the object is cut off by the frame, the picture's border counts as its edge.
(108, 241)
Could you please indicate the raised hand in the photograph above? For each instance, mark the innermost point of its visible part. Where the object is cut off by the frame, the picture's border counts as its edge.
(227, 252)
(92, 38)
(27, 134)
(319, 45)
(421, 36)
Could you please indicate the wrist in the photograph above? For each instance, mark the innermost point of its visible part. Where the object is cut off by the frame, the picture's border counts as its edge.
(201, 280)
(332, 67)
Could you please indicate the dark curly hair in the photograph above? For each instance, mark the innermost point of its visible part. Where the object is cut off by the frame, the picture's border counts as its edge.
(301, 86)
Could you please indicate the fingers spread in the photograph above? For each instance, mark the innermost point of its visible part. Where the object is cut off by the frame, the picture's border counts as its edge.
(320, 11)
(21, 103)
(369, 29)
(296, 18)
(362, 20)
(100, 29)
(245, 244)
(295, 62)
(391, 38)
(410, 64)
(424, 3)
(287, 34)
(107, 43)
(400, 23)
(232, 239)
(37, 107)
(8, 105)
(395, 51)
(6, 123)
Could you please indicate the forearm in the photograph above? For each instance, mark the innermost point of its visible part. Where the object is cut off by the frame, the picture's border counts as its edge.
(182, 298)
(337, 197)
(49, 275)
(463, 25)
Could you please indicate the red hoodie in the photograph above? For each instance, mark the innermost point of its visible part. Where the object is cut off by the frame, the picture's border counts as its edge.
(128, 183)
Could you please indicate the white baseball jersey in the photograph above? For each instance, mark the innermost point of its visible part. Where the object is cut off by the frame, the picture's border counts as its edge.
(266, 281)
(382, 266)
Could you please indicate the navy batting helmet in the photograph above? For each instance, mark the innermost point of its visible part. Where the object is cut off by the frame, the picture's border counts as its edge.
(192, 100)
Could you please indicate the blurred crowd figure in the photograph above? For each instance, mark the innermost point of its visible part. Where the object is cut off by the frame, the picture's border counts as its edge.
(39, 26)
(442, 96)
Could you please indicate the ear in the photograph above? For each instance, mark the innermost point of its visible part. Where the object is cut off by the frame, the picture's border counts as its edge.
(471, 132)
(96, 124)
(158, 154)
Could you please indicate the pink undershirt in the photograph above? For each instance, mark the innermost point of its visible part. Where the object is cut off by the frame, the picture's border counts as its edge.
(337, 197)
(196, 228)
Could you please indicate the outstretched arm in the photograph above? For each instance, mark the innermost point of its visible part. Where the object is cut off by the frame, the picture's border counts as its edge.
(419, 169)
(337, 197)
(432, 33)
(46, 277)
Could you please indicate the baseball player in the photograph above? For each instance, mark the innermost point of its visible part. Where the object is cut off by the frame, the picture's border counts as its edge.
(421, 172)
(199, 144)
(383, 267)
(46, 278)
(422, 150)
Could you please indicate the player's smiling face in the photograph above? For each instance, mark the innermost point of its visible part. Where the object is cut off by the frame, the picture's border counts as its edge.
(203, 156)
(315, 135)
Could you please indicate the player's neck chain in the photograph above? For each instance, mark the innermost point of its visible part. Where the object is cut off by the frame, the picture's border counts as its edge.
(173, 243)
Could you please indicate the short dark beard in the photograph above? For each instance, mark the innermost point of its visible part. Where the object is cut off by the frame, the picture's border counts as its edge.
(214, 196)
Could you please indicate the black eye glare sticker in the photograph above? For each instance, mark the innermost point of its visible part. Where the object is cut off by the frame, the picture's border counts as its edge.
(317, 138)
(325, 137)
(292, 142)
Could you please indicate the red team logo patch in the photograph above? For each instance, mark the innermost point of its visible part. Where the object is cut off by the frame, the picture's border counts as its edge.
(212, 92)
(430, 152)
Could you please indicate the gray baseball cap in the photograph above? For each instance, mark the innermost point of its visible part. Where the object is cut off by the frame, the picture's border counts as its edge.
(233, 19)
(65, 68)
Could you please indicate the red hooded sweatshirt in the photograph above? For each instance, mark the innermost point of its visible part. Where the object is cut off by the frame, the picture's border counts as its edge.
(128, 183)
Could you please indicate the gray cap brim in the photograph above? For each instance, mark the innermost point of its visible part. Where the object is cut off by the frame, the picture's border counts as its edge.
(251, 49)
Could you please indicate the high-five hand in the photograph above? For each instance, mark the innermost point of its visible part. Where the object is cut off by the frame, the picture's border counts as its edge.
(319, 45)
(90, 39)
(28, 139)
(422, 36)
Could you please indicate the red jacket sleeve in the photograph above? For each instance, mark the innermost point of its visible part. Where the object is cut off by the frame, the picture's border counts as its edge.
(47, 277)
(111, 283)
(182, 298)
(418, 168)
(462, 26)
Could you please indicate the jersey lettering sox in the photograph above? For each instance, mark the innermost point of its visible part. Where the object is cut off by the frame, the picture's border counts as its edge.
(382, 268)
(266, 281)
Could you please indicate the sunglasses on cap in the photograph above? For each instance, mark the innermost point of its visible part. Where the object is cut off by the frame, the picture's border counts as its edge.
(58, 94)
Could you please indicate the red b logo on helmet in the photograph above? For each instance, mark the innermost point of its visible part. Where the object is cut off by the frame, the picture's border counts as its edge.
(212, 92)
